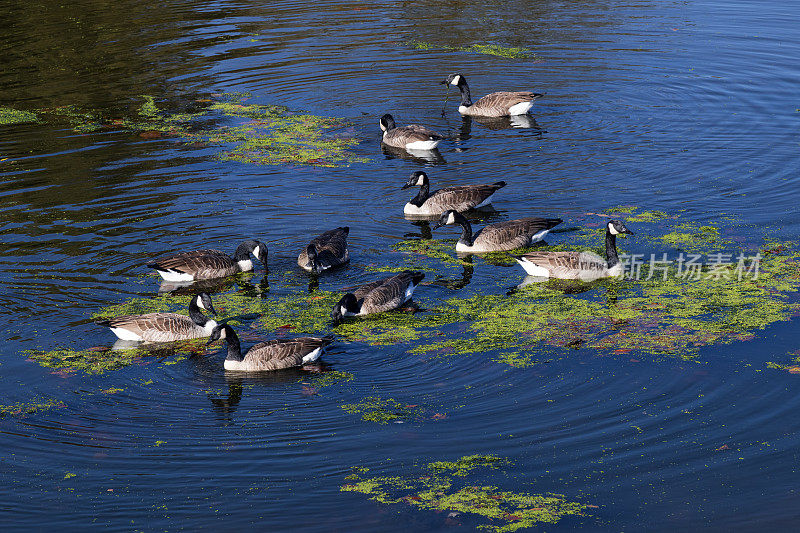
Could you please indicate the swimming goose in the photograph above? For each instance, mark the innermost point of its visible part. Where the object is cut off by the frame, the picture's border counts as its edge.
(499, 237)
(326, 251)
(165, 327)
(586, 266)
(461, 198)
(410, 136)
(382, 295)
(499, 104)
(276, 354)
(208, 264)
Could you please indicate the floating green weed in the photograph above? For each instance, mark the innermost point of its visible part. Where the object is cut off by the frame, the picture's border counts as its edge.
(665, 311)
(383, 411)
(331, 377)
(648, 216)
(91, 361)
(23, 409)
(433, 489)
(268, 134)
(310, 313)
(508, 52)
(10, 116)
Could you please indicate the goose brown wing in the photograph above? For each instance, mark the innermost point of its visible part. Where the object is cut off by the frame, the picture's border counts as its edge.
(513, 233)
(497, 104)
(568, 265)
(390, 293)
(404, 135)
(201, 263)
(332, 246)
(461, 198)
(157, 327)
(278, 354)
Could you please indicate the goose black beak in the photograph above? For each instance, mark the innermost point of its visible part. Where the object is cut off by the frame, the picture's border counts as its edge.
(437, 226)
(406, 186)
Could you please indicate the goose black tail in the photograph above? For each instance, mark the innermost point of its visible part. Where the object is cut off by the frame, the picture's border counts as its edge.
(500, 184)
(103, 322)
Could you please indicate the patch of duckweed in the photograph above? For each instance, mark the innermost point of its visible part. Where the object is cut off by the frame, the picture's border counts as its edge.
(694, 239)
(91, 361)
(672, 313)
(262, 134)
(624, 209)
(434, 489)
(10, 116)
(442, 250)
(508, 52)
(23, 409)
(310, 314)
(793, 366)
(466, 464)
(163, 303)
(648, 217)
(331, 377)
(383, 411)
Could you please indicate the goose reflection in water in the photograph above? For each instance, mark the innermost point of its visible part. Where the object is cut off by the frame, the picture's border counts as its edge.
(421, 157)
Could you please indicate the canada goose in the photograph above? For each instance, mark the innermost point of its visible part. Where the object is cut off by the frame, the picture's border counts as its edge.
(165, 327)
(276, 354)
(499, 237)
(586, 266)
(326, 251)
(499, 104)
(410, 136)
(208, 264)
(461, 198)
(382, 295)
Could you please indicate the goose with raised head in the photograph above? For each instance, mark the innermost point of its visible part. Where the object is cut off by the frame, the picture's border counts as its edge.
(459, 198)
(499, 237)
(379, 296)
(271, 355)
(499, 104)
(209, 264)
(165, 327)
(326, 251)
(410, 136)
(585, 266)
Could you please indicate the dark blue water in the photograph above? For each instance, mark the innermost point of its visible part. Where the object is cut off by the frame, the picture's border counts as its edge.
(682, 107)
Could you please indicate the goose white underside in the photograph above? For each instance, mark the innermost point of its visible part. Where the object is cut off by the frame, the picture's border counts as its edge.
(485, 202)
(533, 269)
(409, 292)
(125, 335)
(422, 145)
(539, 236)
(520, 108)
(313, 356)
(175, 276)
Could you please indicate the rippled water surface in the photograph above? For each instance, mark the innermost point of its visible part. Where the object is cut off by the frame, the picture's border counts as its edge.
(685, 108)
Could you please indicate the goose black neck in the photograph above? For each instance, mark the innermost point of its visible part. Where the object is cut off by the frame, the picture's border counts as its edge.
(421, 196)
(466, 230)
(611, 249)
(466, 97)
(242, 252)
(234, 346)
(196, 314)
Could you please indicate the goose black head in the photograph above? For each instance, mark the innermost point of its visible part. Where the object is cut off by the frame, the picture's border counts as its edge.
(204, 302)
(417, 179)
(257, 248)
(448, 217)
(615, 227)
(222, 331)
(311, 252)
(387, 122)
(346, 306)
(454, 79)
